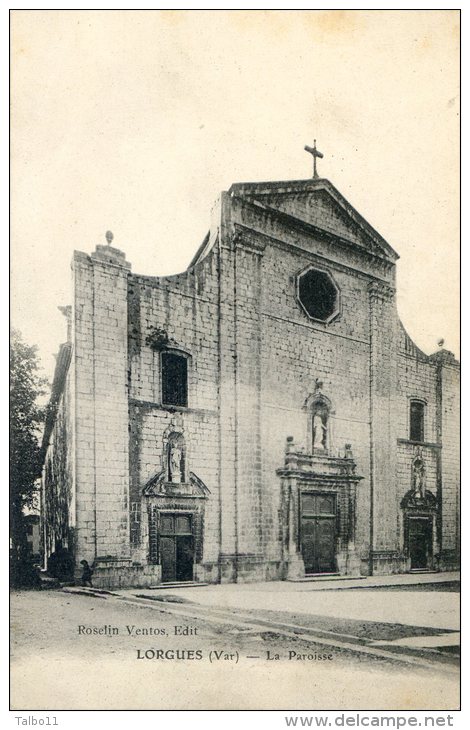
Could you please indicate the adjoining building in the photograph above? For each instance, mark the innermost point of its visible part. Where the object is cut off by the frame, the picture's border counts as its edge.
(261, 416)
(33, 534)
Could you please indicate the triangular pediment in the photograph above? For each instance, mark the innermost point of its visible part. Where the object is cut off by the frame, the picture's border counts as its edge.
(159, 486)
(318, 204)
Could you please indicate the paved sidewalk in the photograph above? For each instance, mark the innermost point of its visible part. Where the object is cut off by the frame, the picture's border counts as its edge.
(335, 583)
(432, 609)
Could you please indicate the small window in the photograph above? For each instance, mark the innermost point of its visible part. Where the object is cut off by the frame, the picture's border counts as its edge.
(174, 379)
(416, 420)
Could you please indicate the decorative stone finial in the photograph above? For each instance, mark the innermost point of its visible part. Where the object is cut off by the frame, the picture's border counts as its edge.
(289, 445)
(109, 237)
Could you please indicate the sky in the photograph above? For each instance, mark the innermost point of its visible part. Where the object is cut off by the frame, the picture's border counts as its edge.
(135, 121)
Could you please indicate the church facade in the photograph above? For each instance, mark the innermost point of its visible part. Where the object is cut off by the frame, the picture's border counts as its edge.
(261, 416)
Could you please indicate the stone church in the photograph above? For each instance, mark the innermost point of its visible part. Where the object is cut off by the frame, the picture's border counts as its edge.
(261, 416)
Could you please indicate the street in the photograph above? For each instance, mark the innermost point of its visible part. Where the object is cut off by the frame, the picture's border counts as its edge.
(96, 650)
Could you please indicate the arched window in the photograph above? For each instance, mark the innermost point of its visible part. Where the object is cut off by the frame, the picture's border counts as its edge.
(174, 369)
(416, 420)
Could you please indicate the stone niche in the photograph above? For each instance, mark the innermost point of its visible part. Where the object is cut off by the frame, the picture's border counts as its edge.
(318, 513)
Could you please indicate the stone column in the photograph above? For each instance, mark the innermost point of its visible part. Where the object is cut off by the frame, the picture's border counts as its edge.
(353, 563)
(290, 485)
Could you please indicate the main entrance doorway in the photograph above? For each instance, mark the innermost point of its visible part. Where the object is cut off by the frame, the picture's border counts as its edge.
(176, 547)
(318, 532)
(419, 542)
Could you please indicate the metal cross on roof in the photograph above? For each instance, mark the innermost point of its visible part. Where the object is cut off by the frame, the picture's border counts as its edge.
(315, 153)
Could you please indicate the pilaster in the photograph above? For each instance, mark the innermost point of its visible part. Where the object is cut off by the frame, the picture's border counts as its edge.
(383, 375)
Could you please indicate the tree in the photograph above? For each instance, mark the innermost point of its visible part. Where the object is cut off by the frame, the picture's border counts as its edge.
(26, 417)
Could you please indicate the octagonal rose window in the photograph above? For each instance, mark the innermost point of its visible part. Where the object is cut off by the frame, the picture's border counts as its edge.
(318, 294)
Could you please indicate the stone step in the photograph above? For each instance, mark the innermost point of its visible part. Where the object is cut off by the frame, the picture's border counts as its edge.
(182, 584)
(315, 577)
(422, 570)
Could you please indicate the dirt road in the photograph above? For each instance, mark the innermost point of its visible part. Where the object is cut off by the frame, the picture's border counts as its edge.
(72, 651)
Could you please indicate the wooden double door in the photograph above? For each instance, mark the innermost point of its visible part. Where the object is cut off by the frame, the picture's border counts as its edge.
(176, 547)
(420, 542)
(318, 532)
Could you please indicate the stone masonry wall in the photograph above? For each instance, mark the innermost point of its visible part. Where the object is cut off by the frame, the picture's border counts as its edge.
(450, 436)
(83, 366)
(435, 381)
(101, 440)
(185, 307)
(295, 351)
(417, 378)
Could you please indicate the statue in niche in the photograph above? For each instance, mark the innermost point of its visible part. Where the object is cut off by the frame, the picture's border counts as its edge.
(320, 428)
(419, 478)
(174, 463)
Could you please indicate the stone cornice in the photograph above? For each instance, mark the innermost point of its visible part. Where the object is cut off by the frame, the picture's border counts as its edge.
(444, 357)
(248, 240)
(311, 228)
(311, 256)
(426, 444)
(149, 405)
(379, 291)
(314, 477)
